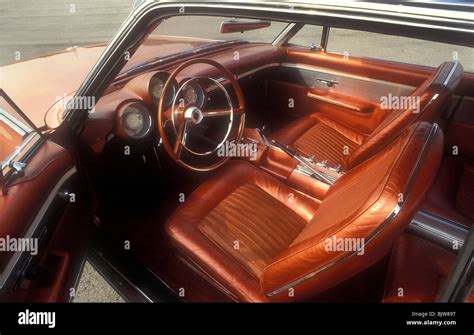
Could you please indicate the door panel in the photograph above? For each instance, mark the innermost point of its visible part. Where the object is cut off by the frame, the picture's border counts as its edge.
(294, 101)
(346, 84)
(397, 73)
(347, 90)
(30, 210)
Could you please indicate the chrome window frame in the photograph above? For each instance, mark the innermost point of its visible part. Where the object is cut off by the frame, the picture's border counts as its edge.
(31, 141)
(285, 36)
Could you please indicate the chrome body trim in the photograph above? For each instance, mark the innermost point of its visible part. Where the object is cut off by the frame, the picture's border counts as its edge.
(379, 229)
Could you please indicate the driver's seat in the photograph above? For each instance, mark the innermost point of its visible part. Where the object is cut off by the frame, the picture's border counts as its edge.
(256, 239)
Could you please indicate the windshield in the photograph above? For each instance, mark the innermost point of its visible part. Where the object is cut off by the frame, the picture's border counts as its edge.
(179, 34)
(173, 36)
(209, 28)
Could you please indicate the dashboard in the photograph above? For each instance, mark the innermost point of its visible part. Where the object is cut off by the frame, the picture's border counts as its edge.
(127, 112)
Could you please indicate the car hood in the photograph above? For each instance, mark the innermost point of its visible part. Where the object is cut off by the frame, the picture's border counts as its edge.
(35, 85)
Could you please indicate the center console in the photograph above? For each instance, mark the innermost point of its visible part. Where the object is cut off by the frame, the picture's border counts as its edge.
(306, 174)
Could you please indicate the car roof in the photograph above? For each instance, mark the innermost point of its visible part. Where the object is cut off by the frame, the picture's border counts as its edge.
(440, 22)
(441, 9)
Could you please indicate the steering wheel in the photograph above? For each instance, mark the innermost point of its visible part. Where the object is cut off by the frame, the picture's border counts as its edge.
(189, 118)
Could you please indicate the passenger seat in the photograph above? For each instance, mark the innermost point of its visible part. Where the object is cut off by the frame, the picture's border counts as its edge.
(341, 146)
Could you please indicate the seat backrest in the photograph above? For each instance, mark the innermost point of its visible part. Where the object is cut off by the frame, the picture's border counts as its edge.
(433, 97)
(370, 205)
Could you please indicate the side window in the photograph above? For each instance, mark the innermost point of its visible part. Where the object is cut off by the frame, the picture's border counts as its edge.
(397, 48)
(307, 37)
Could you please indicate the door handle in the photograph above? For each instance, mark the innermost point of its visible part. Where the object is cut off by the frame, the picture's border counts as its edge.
(328, 82)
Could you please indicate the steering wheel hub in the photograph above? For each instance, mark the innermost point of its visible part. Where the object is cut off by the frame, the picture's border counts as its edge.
(193, 114)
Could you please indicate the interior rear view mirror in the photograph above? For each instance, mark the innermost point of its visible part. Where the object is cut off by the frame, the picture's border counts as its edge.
(241, 25)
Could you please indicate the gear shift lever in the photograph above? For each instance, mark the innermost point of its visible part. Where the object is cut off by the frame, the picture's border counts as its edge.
(262, 135)
(304, 162)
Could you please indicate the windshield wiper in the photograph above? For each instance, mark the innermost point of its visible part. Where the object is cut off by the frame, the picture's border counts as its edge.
(153, 61)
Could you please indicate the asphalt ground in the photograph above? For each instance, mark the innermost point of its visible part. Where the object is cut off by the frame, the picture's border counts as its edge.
(31, 28)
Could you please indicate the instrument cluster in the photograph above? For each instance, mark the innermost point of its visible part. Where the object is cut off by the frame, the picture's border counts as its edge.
(136, 117)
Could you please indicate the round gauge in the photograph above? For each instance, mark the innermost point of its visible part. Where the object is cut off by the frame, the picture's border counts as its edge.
(157, 83)
(194, 94)
(135, 120)
(190, 94)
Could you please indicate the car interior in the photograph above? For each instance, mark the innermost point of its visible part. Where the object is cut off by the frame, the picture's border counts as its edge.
(330, 162)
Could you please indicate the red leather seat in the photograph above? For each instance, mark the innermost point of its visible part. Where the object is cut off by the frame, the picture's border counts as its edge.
(256, 239)
(327, 139)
